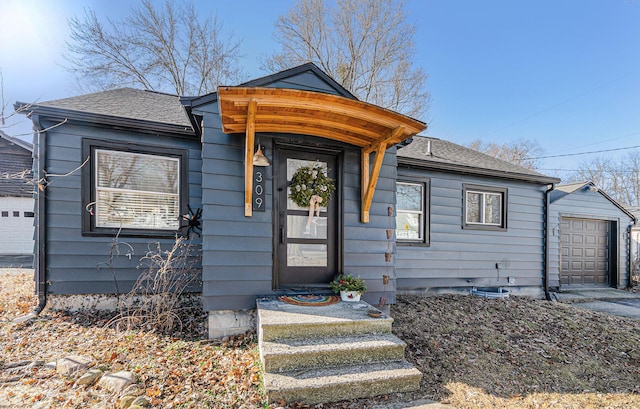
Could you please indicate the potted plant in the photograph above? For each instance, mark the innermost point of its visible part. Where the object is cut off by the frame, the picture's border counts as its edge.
(349, 287)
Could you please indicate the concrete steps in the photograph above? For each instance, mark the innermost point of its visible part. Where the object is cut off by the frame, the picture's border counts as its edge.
(326, 354)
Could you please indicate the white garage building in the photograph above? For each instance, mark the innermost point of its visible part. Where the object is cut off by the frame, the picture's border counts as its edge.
(16, 198)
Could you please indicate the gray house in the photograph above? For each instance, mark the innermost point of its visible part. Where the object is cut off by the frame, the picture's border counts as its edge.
(431, 215)
(16, 202)
(589, 239)
(482, 223)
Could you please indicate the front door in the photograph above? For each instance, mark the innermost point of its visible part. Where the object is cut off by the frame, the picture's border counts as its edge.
(306, 250)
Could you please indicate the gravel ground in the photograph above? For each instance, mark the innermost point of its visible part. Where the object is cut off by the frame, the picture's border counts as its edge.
(473, 352)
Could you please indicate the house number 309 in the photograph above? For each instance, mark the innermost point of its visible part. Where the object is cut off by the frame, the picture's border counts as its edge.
(258, 190)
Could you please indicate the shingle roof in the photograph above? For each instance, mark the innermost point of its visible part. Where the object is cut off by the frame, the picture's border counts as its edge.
(127, 103)
(447, 155)
(560, 191)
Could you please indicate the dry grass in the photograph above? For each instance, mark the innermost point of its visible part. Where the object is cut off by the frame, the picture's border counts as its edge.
(520, 353)
(173, 372)
(474, 353)
(16, 293)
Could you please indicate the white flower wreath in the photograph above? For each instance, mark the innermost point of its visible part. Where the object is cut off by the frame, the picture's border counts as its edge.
(308, 182)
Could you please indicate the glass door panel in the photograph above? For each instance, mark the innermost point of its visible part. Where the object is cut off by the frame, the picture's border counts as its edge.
(306, 253)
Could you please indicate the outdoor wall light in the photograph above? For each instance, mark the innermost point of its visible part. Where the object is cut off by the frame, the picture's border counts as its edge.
(259, 159)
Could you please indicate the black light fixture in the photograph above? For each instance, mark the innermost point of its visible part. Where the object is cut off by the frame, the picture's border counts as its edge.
(259, 159)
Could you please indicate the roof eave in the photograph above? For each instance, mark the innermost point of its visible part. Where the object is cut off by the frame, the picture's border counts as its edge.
(19, 142)
(111, 121)
(470, 170)
(615, 203)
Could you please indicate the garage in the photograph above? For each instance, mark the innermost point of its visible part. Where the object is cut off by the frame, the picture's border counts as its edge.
(585, 250)
(16, 197)
(16, 225)
(588, 239)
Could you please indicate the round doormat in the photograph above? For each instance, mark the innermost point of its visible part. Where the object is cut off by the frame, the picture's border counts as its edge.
(310, 300)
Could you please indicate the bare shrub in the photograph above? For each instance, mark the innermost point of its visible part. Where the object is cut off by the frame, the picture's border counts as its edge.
(156, 301)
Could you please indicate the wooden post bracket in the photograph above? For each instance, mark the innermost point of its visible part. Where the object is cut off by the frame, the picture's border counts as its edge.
(248, 157)
(370, 180)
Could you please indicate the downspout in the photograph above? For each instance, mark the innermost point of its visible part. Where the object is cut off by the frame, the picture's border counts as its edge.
(41, 273)
(545, 261)
(630, 253)
(40, 228)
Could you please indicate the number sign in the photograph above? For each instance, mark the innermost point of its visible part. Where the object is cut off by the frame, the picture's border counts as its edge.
(258, 189)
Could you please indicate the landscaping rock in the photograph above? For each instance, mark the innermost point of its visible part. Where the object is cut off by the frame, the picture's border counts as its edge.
(118, 381)
(141, 401)
(133, 390)
(89, 377)
(71, 364)
(126, 401)
(50, 365)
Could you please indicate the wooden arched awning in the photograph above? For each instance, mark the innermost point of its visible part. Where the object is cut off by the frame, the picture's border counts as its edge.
(373, 129)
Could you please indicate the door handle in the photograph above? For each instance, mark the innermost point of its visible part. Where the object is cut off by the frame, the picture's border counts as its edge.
(281, 235)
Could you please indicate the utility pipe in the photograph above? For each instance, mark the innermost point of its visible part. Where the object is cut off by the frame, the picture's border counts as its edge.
(545, 261)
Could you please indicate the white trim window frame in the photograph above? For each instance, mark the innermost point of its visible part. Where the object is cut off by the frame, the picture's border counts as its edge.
(411, 212)
(485, 208)
(136, 191)
(133, 190)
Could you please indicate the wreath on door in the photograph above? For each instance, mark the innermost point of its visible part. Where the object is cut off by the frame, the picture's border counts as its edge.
(310, 186)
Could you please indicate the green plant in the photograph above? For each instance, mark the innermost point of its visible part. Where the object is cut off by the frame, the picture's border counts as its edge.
(311, 181)
(347, 283)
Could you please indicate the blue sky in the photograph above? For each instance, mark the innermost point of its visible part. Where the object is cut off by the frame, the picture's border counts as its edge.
(563, 72)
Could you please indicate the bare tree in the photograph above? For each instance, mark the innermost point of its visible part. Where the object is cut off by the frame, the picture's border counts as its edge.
(619, 178)
(5, 113)
(170, 48)
(365, 45)
(522, 152)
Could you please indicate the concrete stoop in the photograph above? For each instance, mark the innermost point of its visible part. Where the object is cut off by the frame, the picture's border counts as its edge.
(331, 353)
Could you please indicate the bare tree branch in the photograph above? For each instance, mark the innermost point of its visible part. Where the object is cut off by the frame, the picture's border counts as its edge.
(170, 48)
(365, 45)
(619, 178)
(518, 152)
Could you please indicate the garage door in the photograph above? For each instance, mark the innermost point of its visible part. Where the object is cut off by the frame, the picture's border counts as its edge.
(16, 225)
(584, 247)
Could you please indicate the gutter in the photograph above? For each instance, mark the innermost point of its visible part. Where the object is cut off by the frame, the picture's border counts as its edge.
(110, 121)
(40, 257)
(469, 170)
(545, 261)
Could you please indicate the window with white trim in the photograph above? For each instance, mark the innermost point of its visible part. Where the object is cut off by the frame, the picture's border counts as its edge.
(411, 212)
(484, 207)
(137, 190)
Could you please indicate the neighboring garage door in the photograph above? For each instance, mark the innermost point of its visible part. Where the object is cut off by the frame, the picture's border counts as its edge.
(585, 252)
(16, 225)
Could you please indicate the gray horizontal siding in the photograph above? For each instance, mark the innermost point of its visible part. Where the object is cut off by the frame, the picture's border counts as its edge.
(458, 258)
(14, 159)
(307, 81)
(365, 244)
(238, 251)
(78, 264)
(589, 205)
